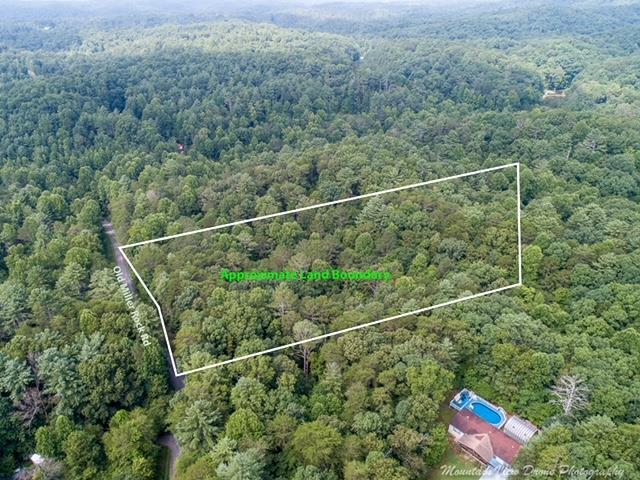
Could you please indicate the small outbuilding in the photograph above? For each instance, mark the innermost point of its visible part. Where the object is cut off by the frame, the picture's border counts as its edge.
(37, 459)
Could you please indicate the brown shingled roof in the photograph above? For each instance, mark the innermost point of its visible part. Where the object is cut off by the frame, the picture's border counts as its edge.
(503, 446)
(480, 444)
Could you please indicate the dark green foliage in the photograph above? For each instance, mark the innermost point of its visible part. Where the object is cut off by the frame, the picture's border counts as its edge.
(10, 439)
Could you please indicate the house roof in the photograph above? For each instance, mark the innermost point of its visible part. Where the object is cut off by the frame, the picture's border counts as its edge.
(471, 425)
(480, 443)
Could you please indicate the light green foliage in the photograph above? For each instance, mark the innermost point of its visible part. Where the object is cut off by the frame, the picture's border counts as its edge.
(247, 465)
(376, 467)
(15, 377)
(249, 394)
(13, 303)
(244, 425)
(129, 445)
(312, 473)
(59, 372)
(50, 439)
(597, 442)
(83, 454)
(430, 379)
(199, 426)
(316, 444)
(532, 258)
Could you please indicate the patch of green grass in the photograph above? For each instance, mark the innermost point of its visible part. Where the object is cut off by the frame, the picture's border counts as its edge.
(457, 462)
(164, 464)
(446, 413)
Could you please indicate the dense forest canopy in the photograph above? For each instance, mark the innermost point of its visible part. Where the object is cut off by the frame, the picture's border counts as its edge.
(161, 119)
(436, 243)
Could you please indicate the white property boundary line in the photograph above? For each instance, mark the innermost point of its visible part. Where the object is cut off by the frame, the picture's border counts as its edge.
(320, 205)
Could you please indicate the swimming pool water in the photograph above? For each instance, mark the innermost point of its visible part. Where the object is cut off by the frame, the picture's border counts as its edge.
(488, 414)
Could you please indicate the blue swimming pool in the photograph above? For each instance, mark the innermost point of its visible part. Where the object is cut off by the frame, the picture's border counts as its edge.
(487, 412)
(468, 400)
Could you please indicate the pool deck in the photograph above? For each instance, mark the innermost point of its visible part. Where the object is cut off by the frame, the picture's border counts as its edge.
(466, 399)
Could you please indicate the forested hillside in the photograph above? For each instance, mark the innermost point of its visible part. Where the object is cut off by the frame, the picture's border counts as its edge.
(166, 124)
